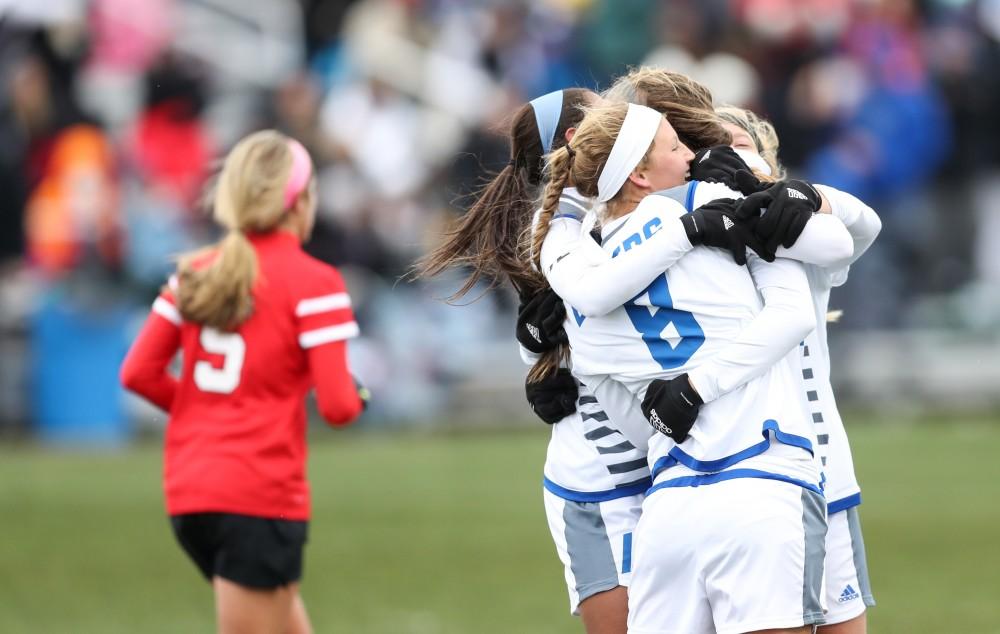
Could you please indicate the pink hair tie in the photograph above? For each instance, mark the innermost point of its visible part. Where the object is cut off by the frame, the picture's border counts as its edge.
(298, 177)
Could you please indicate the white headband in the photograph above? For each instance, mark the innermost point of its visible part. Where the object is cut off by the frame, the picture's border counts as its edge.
(634, 139)
(754, 161)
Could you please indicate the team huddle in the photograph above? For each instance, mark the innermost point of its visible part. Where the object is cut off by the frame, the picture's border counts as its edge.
(674, 295)
(674, 290)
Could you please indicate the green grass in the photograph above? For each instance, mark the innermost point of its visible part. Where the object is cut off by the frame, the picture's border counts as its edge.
(446, 534)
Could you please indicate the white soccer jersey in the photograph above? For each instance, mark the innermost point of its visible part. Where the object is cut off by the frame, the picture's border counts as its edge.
(833, 447)
(684, 317)
(827, 267)
(588, 458)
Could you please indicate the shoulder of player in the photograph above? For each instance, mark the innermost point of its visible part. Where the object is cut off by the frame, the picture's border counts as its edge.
(572, 207)
(694, 194)
(310, 276)
(659, 204)
(704, 192)
(198, 261)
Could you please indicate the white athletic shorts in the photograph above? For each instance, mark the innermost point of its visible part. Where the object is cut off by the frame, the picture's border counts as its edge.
(848, 591)
(594, 542)
(735, 556)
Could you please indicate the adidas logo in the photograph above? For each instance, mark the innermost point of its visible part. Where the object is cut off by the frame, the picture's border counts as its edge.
(533, 331)
(705, 158)
(794, 193)
(654, 420)
(727, 223)
(849, 594)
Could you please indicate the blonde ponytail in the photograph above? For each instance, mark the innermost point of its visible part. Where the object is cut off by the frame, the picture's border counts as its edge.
(579, 163)
(216, 284)
(219, 294)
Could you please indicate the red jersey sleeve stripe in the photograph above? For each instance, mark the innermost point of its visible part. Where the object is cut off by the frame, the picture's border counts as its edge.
(314, 338)
(168, 311)
(322, 304)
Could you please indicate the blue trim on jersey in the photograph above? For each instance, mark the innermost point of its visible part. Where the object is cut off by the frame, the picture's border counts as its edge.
(570, 216)
(843, 504)
(678, 456)
(712, 478)
(627, 552)
(596, 496)
(689, 199)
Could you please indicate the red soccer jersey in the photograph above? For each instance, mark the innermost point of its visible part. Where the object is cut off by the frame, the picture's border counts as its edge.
(235, 439)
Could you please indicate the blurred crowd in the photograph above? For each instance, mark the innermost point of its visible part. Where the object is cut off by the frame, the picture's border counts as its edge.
(115, 111)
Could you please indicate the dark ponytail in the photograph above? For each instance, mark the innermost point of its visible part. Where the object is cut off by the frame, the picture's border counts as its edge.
(486, 238)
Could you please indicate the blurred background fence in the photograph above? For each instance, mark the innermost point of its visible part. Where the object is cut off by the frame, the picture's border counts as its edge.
(113, 112)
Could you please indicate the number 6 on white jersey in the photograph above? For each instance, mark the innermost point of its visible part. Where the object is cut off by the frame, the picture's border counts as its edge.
(233, 349)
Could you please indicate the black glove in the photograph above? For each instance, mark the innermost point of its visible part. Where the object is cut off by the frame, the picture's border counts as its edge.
(554, 397)
(747, 183)
(363, 393)
(788, 206)
(719, 164)
(671, 407)
(540, 321)
(716, 224)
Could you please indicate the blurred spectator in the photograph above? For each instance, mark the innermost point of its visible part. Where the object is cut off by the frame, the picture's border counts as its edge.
(112, 119)
(170, 146)
(73, 213)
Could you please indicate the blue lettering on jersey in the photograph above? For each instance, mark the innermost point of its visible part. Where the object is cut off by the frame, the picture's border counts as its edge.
(635, 239)
(578, 317)
(652, 227)
(652, 323)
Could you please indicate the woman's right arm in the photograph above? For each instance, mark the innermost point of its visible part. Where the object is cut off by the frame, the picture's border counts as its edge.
(785, 319)
(593, 282)
(824, 239)
(861, 222)
(144, 370)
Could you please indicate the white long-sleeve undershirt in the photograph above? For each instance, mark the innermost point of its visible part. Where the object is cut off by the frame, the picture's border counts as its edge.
(860, 220)
(587, 277)
(756, 348)
(784, 321)
(594, 283)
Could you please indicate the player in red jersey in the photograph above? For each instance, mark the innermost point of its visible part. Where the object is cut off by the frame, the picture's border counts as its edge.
(259, 323)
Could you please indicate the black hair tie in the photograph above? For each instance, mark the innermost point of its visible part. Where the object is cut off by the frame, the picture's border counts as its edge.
(570, 151)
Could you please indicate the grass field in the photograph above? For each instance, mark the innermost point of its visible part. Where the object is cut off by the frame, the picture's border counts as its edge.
(446, 534)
